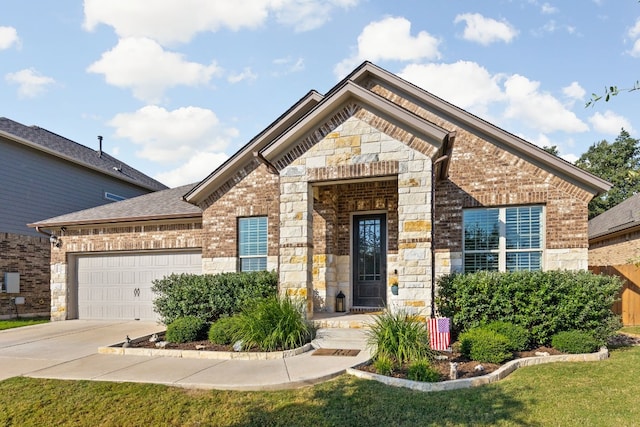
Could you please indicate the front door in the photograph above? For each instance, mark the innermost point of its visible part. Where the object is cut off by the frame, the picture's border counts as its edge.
(369, 258)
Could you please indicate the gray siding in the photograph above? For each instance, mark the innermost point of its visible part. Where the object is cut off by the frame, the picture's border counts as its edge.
(36, 186)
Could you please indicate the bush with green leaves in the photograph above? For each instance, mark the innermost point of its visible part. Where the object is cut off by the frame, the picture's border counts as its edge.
(384, 365)
(210, 296)
(421, 370)
(399, 335)
(574, 342)
(518, 336)
(484, 345)
(223, 331)
(544, 303)
(274, 323)
(186, 329)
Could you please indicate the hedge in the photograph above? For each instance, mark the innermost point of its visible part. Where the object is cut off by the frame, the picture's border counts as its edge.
(544, 303)
(210, 296)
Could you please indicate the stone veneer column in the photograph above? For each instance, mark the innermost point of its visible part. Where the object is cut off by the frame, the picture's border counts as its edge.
(414, 237)
(296, 235)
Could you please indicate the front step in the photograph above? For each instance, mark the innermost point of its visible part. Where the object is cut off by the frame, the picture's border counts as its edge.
(342, 320)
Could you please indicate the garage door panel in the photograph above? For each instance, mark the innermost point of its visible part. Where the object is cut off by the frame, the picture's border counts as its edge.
(117, 286)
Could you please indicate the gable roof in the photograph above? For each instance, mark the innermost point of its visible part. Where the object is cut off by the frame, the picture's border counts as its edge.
(48, 142)
(371, 72)
(159, 205)
(303, 116)
(621, 217)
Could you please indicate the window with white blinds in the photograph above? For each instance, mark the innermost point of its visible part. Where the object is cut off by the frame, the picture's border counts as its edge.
(503, 239)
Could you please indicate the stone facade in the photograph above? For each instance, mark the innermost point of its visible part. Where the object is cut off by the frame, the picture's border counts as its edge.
(28, 256)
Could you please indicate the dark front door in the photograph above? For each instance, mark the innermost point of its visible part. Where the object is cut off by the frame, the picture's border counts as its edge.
(369, 259)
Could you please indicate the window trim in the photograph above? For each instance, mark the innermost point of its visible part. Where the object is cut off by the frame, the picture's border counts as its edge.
(502, 250)
(259, 256)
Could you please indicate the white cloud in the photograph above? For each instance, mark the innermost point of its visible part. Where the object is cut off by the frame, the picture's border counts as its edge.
(194, 170)
(170, 21)
(635, 50)
(548, 9)
(148, 70)
(537, 109)
(574, 91)
(8, 37)
(30, 82)
(172, 136)
(634, 32)
(465, 84)
(289, 65)
(485, 30)
(610, 123)
(390, 39)
(570, 157)
(246, 74)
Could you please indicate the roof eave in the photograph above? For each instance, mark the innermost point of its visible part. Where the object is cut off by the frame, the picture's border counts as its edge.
(592, 183)
(103, 221)
(351, 91)
(227, 169)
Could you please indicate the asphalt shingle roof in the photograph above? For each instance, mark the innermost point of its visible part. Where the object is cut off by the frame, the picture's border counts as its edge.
(619, 217)
(163, 204)
(79, 153)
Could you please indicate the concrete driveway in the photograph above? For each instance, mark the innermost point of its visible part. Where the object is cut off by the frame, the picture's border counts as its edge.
(26, 350)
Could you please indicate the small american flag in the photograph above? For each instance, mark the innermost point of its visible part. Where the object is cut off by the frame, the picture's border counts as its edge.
(439, 333)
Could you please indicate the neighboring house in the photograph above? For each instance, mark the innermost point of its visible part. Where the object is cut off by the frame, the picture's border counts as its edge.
(43, 175)
(614, 248)
(376, 182)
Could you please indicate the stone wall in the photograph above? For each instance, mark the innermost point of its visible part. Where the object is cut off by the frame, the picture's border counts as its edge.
(28, 256)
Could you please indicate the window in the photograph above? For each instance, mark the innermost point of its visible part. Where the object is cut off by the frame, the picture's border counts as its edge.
(113, 197)
(503, 239)
(252, 243)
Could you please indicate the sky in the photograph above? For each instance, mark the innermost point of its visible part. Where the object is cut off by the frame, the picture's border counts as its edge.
(175, 87)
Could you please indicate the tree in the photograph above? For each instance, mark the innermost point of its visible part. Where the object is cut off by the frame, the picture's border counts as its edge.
(610, 92)
(551, 149)
(617, 162)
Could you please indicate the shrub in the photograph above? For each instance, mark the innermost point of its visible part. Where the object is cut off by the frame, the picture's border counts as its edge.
(421, 370)
(210, 296)
(274, 323)
(400, 336)
(544, 303)
(484, 345)
(574, 342)
(384, 364)
(223, 330)
(518, 336)
(185, 329)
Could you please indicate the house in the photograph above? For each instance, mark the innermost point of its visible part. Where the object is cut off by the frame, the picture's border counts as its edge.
(43, 175)
(375, 182)
(614, 248)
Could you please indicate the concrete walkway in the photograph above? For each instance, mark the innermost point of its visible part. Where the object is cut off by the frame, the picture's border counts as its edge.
(68, 350)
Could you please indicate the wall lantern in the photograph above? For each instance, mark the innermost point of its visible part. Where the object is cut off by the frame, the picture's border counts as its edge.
(340, 302)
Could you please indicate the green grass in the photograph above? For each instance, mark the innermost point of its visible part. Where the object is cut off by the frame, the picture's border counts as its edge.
(17, 323)
(561, 394)
(631, 330)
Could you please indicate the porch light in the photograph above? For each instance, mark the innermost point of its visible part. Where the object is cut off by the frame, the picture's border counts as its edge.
(340, 302)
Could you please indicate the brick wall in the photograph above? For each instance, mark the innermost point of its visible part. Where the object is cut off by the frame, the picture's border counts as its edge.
(616, 250)
(255, 195)
(482, 173)
(28, 256)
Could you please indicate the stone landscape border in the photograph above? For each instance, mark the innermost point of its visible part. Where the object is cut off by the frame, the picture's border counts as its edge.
(495, 376)
(204, 354)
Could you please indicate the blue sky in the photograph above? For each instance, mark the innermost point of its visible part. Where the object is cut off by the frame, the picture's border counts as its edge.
(177, 86)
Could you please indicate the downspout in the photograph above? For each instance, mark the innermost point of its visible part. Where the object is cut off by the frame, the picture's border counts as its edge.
(447, 150)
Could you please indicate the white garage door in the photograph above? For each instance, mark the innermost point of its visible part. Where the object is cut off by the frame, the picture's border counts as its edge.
(118, 287)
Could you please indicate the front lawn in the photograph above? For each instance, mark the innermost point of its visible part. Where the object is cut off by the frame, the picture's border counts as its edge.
(634, 330)
(17, 323)
(567, 394)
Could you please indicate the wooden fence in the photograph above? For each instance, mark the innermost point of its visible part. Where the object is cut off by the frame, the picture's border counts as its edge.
(629, 304)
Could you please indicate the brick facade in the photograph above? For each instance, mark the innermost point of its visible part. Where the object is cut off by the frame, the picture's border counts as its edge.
(618, 249)
(28, 256)
(140, 237)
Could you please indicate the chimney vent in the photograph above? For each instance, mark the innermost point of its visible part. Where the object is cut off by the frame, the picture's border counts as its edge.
(99, 145)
